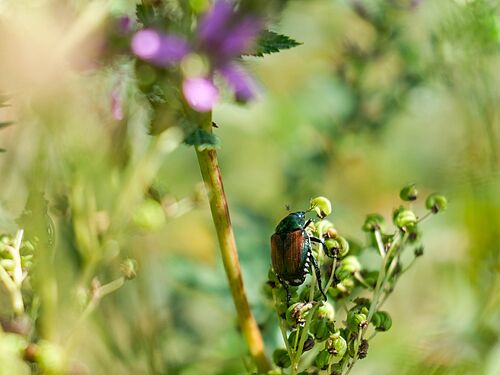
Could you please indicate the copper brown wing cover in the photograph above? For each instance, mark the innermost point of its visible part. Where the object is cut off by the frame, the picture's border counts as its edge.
(286, 253)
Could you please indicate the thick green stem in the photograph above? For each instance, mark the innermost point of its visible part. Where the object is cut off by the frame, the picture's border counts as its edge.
(209, 166)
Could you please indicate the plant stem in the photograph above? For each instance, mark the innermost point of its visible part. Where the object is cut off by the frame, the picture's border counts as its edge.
(332, 275)
(209, 167)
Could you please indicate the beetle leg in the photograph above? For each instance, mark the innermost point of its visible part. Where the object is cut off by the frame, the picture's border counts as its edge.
(320, 241)
(318, 275)
(309, 221)
(287, 290)
(288, 296)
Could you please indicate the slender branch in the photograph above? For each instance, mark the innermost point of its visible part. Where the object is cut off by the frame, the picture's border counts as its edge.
(332, 275)
(209, 166)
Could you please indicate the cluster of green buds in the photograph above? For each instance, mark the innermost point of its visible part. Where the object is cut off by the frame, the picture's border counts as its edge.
(331, 336)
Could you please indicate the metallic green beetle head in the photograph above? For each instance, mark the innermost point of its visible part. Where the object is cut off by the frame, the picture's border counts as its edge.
(294, 221)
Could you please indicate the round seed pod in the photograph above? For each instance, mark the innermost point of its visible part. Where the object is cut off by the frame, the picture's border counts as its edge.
(436, 202)
(405, 218)
(355, 321)
(322, 206)
(382, 321)
(322, 360)
(409, 193)
(336, 346)
(281, 358)
(337, 247)
(373, 222)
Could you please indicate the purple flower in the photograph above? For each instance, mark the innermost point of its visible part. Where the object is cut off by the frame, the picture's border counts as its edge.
(240, 81)
(214, 22)
(200, 93)
(223, 35)
(158, 48)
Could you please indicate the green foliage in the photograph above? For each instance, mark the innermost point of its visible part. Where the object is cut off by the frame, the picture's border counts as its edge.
(202, 140)
(272, 42)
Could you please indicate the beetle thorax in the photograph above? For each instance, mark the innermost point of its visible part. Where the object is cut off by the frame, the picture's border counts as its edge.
(293, 221)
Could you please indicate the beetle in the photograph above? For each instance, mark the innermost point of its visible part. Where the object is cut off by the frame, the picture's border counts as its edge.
(291, 252)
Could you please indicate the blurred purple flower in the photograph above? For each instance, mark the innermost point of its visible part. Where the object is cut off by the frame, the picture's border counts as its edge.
(240, 81)
(158, 48)
(200, 93)
(223, 35)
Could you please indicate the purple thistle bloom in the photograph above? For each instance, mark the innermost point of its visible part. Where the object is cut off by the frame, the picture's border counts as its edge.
(240, 81)
(158, 48)
(241, 37)
(223, 34)
(214, 22)
(200, 93)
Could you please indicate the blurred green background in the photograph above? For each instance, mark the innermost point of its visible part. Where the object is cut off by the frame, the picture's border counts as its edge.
(379, 94)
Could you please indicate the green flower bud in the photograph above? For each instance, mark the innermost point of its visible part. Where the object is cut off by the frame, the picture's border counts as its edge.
(281, 358)
(321, 329)
(382, 321)
(337, 247)
(293, 339)
(343, 289)
(373, 222)
(436, 202)
(297, 313)
(150, 216)
(325, 311)
(322, 206)
(50, 358)
(352, 262)
(405, 218)
(326, 228)
(322, 360)
(355, 321)
(409, 193)
(419, 251)
(336, 346)
(129, 269)
(396, 212)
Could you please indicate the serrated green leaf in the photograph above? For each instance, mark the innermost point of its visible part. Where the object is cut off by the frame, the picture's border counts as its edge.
(202, 140)
(5, 124)
(270, 42)
(145, 14)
